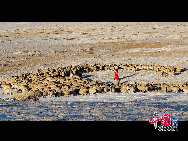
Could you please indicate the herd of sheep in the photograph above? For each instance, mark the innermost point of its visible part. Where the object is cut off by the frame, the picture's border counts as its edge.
(65, 81)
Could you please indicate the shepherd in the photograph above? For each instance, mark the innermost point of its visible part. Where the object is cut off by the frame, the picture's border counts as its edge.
(116, 78)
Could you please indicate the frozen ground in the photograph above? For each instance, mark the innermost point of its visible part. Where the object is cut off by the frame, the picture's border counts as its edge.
(110, 106)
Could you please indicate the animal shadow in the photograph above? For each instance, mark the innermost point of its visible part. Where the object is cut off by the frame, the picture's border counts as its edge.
(183, 70)
(87, 77)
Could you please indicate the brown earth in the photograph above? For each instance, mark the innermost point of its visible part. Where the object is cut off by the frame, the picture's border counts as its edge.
(44, 46)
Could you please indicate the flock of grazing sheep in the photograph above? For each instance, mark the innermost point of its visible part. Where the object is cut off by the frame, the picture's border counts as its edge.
(68, 80)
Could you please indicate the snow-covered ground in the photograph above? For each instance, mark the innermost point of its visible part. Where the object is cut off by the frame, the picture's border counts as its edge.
(123, 97)
(109, 106)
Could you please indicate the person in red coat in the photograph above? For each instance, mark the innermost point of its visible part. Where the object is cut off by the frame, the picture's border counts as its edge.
(116, 78)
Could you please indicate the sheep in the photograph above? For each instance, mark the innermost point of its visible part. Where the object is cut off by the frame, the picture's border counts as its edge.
(151, 67)
(83, 91)
(45, 93)
(106, 89)
(164, 74)
(86, 70)
(131, 89)
(62, 74)
(179, 69)
(26, 94)
(92, 90)
(57, 89)
(107, 67)
(145, 67)
(175, 89)
(21, 97)
(51, 86)
(72, 91)
(71, 74)
(159, 73)
(101, 67)
(185, 89)
(124, 89)
(15, 85)
(143, 88)
(36, 93)
(181, 86)
(139, 67)
(112, 89)
(116, 67)
(14, 79)
(7, 81)
(112, 68)
(98, 89)
(168, 88)
(154, 87)
(124, 67)
(171, 73)
(67, 83)
(156, 68)
(7, 88)
(131, 68)
(98, 81)
(75, 83)
(66, 87)
(65, 92)
(164, 88)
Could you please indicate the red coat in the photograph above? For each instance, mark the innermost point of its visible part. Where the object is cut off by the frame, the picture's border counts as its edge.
(116, 76)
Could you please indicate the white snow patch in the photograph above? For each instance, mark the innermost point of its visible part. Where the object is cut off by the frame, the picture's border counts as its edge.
(122, 97)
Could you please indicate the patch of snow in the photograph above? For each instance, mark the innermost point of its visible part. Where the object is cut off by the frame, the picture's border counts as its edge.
(122, 97)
